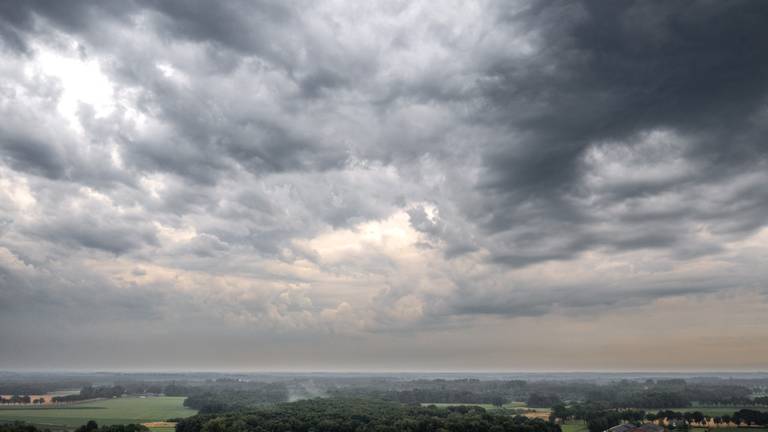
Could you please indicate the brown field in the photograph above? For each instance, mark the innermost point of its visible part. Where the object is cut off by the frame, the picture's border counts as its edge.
(160, 424)
(537, 414)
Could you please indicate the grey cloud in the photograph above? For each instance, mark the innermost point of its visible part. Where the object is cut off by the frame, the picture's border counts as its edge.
(489, 294)
(244, 26)
(89, 232)
(604, 73)
(63, 295)
(33, 156)
(20, 19)
(514, 137)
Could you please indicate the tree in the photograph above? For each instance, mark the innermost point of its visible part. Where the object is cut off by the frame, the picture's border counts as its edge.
(91, 426)
(561, 412)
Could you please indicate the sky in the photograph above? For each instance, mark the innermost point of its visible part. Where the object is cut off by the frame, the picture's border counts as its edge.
(384, 185)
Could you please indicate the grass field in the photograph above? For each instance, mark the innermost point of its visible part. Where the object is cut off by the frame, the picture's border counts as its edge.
(110, 411)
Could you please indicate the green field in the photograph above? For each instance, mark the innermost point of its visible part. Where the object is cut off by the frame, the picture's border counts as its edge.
(110, 411)
(574, 426)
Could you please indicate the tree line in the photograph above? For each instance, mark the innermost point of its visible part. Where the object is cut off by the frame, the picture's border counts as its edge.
(649, 393)
(19, 399)
(599, 419)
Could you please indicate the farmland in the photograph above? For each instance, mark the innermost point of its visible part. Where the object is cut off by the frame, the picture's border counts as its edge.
(107, 412)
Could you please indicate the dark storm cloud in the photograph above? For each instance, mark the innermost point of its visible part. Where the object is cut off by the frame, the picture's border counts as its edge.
(605, 73)
(601, 74)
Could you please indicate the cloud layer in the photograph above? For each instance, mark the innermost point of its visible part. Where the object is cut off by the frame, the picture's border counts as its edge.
(348, 179)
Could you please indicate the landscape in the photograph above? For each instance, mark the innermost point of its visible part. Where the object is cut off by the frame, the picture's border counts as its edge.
(525, 402)
(383, 216)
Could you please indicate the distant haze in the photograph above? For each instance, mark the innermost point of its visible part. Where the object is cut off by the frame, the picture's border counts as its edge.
(391, 186)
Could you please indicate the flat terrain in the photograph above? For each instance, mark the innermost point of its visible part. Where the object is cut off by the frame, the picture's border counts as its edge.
(109, 411)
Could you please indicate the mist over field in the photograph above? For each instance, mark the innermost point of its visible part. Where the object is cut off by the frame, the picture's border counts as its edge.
(374, 187)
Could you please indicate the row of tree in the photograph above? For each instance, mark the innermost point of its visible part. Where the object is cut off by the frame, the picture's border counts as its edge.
(743, 416)
(661, 393)
(599, 419)
(18, 399)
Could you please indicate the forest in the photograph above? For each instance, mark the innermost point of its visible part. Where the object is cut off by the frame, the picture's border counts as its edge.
(362, 415)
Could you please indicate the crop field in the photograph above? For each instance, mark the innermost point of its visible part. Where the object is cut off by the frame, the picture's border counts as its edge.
(110, 411)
